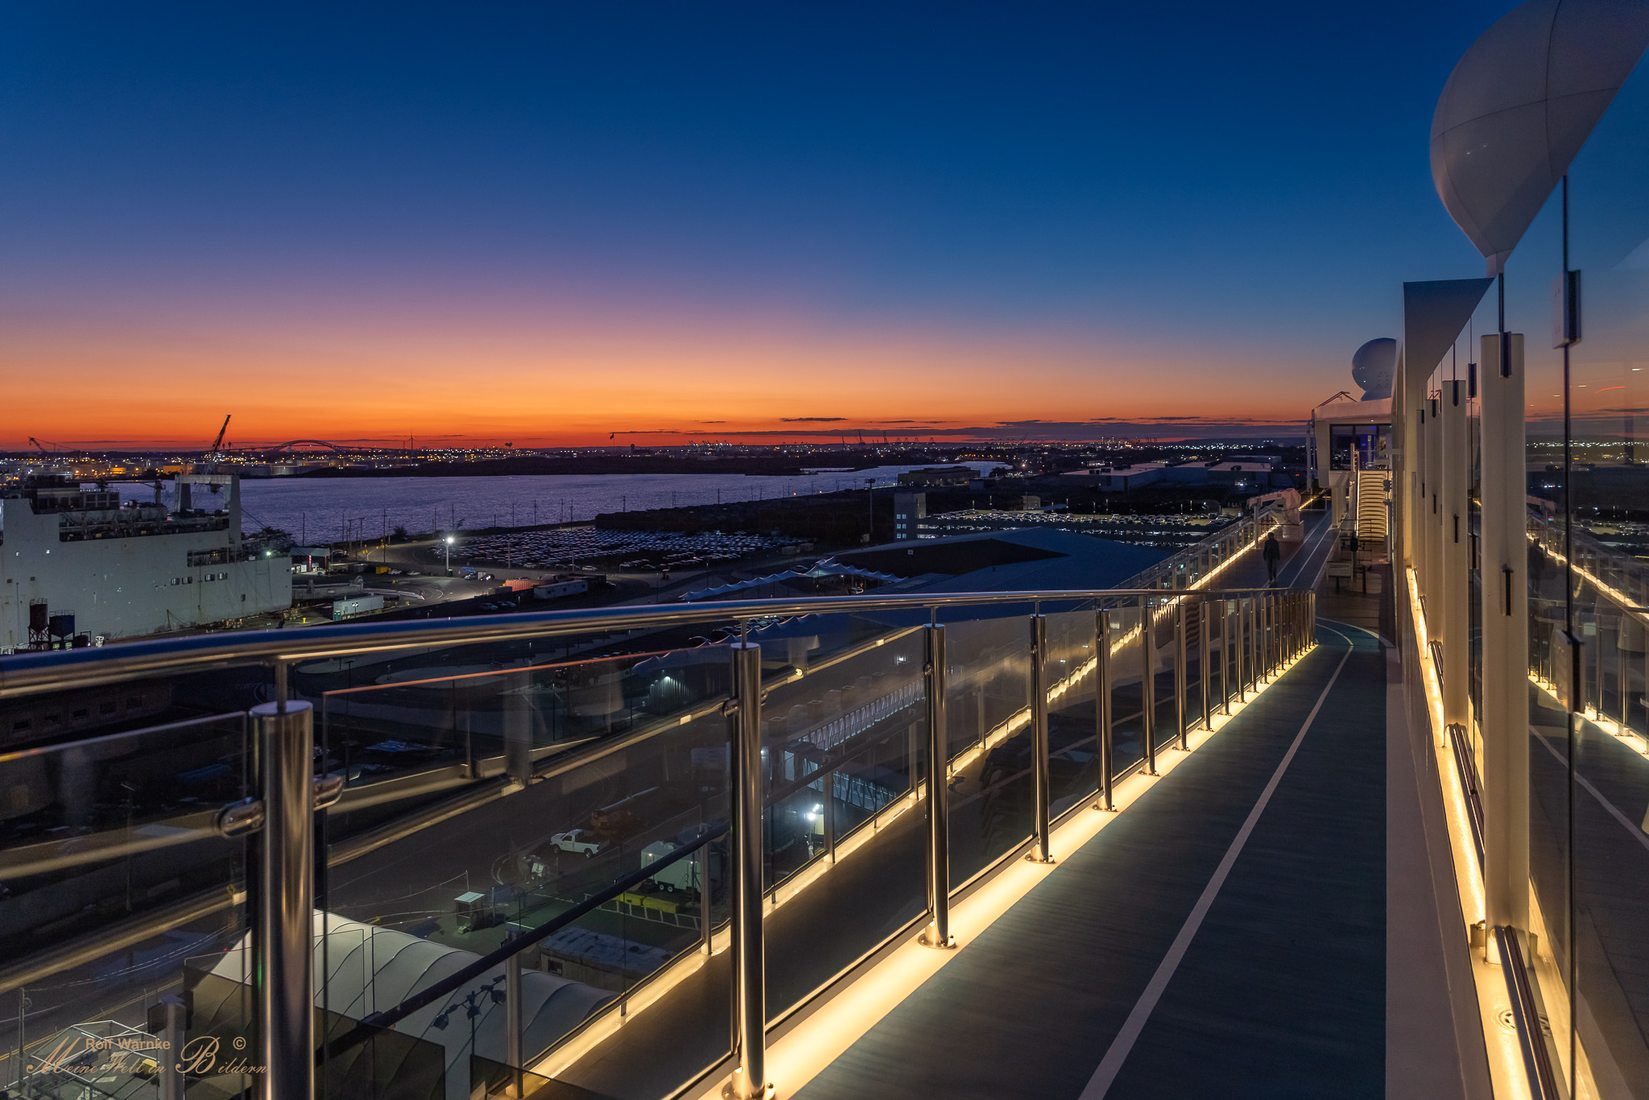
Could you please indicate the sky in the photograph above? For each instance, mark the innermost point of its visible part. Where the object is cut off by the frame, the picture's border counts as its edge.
(559, 224)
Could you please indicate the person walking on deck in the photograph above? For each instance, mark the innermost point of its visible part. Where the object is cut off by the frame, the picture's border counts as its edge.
(1273, 552)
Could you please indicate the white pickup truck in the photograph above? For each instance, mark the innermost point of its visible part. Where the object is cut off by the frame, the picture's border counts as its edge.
(577, 841)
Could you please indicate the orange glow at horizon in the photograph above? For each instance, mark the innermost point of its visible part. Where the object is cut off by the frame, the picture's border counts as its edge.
(577, 384)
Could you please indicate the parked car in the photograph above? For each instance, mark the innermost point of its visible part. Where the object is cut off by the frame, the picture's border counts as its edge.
(576, 841)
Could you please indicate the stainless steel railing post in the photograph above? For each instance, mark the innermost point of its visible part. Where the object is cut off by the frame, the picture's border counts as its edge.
(1296, 619)
(1205, 663)
(1288, 627)
(1225, 656)
(1267, 666)
(1279, 630)
(749, 964)
(1620, 674)
(512, 1016)
(1290, 622)
(1290, 599)
(1285, 639)
(1182, 705)
(1264, 635)
(830, 814)
(1147, 686)
(285, 935)
(1041, 853)
(1282, 627)
(1254, 672)
(174, 1013)
(707, 925)
(1102, 709)
(1276, 631)
(1278, 625)
(938, 792)
(1267, 629)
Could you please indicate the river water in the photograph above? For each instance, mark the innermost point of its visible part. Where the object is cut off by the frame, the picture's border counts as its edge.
(328, 509)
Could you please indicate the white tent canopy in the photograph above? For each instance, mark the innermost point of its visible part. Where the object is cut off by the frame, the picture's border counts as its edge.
(361, 969)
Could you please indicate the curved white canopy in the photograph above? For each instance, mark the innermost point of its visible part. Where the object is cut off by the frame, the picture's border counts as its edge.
(1520, 104)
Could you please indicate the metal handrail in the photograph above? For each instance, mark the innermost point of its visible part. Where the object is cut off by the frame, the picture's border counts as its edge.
(59, 670)
(63, 854)
(63, 670)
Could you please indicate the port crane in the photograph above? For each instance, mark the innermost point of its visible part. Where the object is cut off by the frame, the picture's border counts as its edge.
(217, 444)
(41, 447)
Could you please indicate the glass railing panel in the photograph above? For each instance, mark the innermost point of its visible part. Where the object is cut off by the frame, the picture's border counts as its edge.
(867, 783)
(380, 1063)
(1160, 632)
(1127, 716)
(1073, 732)
(121, 1024)
(1557, 610)
(388, 719)
(836, 748)
(494, 1078)
(96, 710)
(988, 703)
(115, 827)
(562, 859)
(989, 675)
(1607, 773)
(1223, 638)
(1195, 661)
(1475, 620)
(116, 1002)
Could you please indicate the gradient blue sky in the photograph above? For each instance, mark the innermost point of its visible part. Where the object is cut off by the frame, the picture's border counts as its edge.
(549, 222)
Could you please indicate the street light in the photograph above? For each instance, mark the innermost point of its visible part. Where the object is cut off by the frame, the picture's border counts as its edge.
(449, 541)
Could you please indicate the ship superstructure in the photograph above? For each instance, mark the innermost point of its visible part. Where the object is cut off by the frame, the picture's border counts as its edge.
(78, 565)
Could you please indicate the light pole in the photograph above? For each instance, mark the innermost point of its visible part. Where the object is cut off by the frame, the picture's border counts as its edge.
(450, 539)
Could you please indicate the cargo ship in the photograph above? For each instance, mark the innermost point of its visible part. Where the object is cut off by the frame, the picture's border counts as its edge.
(79, 567)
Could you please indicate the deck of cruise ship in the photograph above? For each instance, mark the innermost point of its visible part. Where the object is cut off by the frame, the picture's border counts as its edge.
(1112, 976)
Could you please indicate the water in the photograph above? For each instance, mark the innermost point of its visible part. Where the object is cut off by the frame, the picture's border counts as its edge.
(336, 509)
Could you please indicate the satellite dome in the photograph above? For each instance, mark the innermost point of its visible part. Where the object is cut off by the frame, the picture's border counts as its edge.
(1373, 366)
(1520, 104)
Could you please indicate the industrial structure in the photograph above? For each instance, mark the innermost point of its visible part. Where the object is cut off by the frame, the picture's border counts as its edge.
(78, 566)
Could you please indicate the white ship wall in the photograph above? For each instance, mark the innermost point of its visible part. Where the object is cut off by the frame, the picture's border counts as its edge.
(121, 587)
